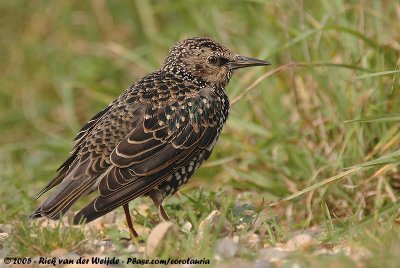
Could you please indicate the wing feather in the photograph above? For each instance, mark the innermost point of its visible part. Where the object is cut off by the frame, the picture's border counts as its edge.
(157, 147)
(63, 169)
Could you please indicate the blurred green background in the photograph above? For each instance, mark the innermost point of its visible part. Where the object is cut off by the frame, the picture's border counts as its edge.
(62, 61)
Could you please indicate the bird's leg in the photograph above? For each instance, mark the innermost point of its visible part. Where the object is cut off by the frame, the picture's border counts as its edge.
(132, 230)
(157, 198)
(162, 212)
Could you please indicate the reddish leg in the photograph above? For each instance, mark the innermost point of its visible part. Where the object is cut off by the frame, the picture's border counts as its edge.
(157, 198)
(129, 221)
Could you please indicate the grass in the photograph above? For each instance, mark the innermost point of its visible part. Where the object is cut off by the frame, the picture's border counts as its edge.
(35, 240)
(317, 137)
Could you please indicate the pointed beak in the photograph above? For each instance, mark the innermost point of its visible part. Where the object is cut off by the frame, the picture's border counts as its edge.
(243, 62)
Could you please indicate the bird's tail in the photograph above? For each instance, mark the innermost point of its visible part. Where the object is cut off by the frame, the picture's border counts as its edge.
(60, 201)
(65, 195)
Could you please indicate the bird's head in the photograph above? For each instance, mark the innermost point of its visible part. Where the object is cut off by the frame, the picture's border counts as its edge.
(205, 62)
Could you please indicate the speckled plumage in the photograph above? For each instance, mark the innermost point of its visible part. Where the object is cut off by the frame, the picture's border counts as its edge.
(153, 137)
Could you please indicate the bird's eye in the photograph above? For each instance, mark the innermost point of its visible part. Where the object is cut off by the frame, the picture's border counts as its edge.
(212, 60)
(223, 61)
(219, 61)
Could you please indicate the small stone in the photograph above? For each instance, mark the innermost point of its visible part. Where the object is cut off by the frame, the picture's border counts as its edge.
(100, 223)
(71, 256)
(58, 252)
(237, 263)
(262, 264)
(20, 266)
(157, 235)
(226, 248)
(273, 255)
(86, 266)
(47, 223)
(6, 228)
(211, 222)
(131, 249)
(253, 240)
(360, 254)
(301, 242)
(187, 227)
(3, 237)
(104, 246)
(323, 251)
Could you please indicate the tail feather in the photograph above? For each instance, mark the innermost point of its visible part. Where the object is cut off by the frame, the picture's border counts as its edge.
(60, 201)
(62, 173)
(65, 195)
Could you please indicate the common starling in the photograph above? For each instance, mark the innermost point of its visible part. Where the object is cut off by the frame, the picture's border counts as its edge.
(151, 139)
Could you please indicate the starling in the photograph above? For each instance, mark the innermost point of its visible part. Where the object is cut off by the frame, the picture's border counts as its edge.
(151, 139)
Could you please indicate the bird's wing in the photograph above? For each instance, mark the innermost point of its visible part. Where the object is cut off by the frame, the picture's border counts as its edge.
(168, 136)
(90, 159)
(62, 170)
